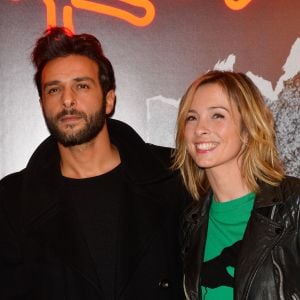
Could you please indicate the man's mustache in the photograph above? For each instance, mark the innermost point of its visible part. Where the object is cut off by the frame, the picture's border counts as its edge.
(71, 111)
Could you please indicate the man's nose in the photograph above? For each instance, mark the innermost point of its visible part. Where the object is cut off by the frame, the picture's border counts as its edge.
(68, 97)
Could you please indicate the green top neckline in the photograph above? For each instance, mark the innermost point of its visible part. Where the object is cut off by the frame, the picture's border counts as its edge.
(231, 204)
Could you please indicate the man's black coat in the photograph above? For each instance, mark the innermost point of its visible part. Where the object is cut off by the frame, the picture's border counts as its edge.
(45, 253)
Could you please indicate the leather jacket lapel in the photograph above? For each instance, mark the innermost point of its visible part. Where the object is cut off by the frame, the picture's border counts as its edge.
(194, 235)
(261, 235)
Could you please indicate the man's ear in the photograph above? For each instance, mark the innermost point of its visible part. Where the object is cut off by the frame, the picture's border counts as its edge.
(110, 102)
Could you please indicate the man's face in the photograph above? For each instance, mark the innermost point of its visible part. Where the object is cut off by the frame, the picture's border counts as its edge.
(72, 100)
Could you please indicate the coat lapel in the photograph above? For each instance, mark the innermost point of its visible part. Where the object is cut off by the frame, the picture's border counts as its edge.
(52, 222)
(49, 218)
(141, 220)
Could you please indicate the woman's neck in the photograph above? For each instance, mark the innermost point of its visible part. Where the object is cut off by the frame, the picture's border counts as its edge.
(227, 185)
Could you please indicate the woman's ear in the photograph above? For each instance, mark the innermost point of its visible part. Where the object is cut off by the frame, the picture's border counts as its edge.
(244, 137)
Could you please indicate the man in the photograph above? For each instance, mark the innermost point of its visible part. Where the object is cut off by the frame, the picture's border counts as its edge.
(94, 215)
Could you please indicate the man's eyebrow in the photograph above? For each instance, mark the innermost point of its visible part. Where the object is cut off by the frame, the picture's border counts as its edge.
(76, 79)
(84, 78)
(50, 83)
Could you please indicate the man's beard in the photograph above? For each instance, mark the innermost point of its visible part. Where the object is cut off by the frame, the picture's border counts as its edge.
(93, 125)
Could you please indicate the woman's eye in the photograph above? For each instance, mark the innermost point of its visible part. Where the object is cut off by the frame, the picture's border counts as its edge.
(218, 116)
(190, 118)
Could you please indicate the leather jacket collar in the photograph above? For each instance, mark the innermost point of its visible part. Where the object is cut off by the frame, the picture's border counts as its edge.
(274, 222)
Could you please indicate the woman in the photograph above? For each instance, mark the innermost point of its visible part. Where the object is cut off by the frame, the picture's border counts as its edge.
(241, 236)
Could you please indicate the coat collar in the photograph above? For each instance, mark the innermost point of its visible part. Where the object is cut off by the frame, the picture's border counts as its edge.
(135, 154)
(42, 178)
(49, 219)
(141, 162)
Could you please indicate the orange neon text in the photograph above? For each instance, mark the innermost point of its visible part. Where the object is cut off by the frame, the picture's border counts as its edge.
(237, 4)
(113, 11)
(139, 21)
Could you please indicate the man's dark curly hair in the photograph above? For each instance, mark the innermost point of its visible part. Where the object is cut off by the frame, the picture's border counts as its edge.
(61, 42)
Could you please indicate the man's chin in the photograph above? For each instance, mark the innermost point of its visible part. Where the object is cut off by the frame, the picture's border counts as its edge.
(68, 138)
(67, 143)
(78, 139)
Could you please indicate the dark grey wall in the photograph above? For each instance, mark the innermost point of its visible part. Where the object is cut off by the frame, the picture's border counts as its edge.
(154, 64)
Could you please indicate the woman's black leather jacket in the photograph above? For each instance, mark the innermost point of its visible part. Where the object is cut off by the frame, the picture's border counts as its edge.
(268, 265)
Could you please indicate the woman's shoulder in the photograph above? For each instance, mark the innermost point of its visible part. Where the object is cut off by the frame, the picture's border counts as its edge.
(288, 192)
(290, 184)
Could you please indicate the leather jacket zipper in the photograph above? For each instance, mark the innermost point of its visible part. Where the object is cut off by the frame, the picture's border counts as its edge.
(184, 289)
(281, 294)
(277, 267)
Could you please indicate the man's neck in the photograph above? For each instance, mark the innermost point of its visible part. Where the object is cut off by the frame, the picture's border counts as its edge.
(91, 159)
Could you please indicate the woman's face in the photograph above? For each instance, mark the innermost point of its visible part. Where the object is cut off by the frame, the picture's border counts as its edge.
(213, 130)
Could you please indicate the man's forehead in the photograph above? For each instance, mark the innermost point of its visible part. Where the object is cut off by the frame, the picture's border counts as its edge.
(71, 67)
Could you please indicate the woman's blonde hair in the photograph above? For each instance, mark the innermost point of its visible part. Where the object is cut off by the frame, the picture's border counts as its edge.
(260, 158)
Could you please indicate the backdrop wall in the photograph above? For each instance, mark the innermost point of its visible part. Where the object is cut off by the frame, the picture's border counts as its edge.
(157, 48)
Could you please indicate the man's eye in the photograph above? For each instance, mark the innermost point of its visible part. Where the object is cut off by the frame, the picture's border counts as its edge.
(82, 86)
(52, 91)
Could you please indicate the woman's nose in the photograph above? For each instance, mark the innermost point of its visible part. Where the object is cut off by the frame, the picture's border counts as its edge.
(202, 128)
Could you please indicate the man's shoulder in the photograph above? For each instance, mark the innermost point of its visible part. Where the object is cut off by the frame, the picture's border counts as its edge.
(10, 207)
(12, 180)
(10, 189)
